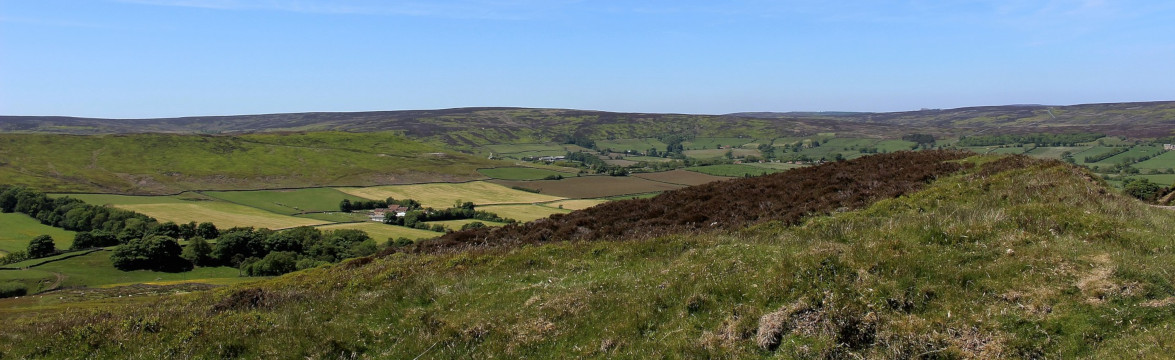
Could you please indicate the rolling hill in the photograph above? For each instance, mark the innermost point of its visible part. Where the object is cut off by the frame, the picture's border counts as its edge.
(986, 257)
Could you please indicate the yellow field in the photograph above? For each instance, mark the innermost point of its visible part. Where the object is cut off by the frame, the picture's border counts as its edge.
(522, 213)
(579, 204)
(224, 215)
(443, 195)
(381, 232)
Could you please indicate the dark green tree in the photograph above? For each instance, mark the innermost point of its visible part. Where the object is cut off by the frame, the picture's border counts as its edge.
(207, 230)
(198, 252)
(159, 253)
(41, 246)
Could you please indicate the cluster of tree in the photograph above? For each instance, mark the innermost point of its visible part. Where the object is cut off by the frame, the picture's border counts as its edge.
(1143, 189)
(347, 205)
(577, 139)
(39, 247)
(673, 144)
(459, 211)
(1106, 155)
(1042, 139)
(73, 214)
(257, 252)
(926, 141)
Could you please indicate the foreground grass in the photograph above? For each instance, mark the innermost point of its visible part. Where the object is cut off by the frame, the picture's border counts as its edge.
(1036, 262)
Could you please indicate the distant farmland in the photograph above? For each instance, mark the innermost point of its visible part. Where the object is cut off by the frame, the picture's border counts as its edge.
(592, 186)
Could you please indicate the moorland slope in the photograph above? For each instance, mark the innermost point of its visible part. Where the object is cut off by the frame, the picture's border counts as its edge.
(1001, 257)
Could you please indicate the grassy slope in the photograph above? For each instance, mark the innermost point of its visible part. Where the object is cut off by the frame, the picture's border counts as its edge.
(161, 163)
(16, 230)
(1033, 262)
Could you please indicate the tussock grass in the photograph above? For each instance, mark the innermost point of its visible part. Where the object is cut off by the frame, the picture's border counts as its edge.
(1009, 259)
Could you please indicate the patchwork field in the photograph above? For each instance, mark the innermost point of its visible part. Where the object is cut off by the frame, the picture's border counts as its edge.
(703, 143)
(519, 151)
(1055, 152)
(523, 213)
(777, 166)
(287, 201)
(578, 204)
(680, 177)
(717, 153)
(1134, 153)
(17, 229)
(457, 224)
(95, 269)
(520, 173)
(178, 210)
(443, 195)
(733, 170)
(639, 145)
(382, 232)
(587, 187)
(1164, 161)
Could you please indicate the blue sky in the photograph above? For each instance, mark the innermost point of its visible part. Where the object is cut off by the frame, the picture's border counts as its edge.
(162, 58)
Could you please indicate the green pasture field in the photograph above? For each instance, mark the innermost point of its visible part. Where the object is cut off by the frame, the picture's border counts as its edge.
(520, 173)
(710, 143)
(16, 230)
(1167, 180)
(640, 145)
(1134, 152)
(633, 196)
(443, 195)
(996, 149)
(576, 204)
(680, 177)
(34, 280)
(893, 145)
(95, 269)
(650, 159)
(381, 232)
(587, 187)
(718, 153)
(528, 149)
(1163, 161)
(287, 202)
(733, 170)
(1055, 152)
(336, 216)
(787, 141)
(457, 224)
(1092, 151)
(621, 162)
(776, 165)
(523, 213)
(221, 213)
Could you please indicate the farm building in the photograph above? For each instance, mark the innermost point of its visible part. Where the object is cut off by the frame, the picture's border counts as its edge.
(381, 214)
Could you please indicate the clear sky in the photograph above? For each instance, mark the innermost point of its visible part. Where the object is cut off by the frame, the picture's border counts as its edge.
(163, 58)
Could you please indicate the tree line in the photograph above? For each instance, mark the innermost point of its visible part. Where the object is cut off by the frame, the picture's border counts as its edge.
(145, 243)
(1041, 139)
(348, 206)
